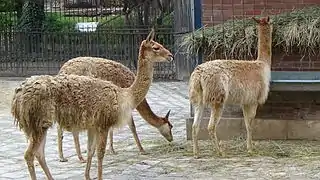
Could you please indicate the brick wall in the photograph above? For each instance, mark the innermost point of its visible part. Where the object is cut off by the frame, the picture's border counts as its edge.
(294, 62)
(280, 105)
(291, 106)
(217, 11)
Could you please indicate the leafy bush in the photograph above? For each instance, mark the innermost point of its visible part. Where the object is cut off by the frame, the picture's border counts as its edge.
(55, 22)
(111, 22)
(5, 21)
(7, 5)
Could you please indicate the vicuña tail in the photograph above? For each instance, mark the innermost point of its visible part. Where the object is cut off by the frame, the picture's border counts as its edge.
(32, 108)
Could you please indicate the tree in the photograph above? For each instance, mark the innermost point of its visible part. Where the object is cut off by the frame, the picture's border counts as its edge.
(30, 25)
(11, 5)
(142, 9)
(32, 16)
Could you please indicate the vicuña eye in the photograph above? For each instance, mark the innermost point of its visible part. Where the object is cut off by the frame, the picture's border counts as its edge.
(156, 48)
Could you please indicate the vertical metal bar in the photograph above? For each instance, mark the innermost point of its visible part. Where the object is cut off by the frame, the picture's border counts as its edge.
(197, 22)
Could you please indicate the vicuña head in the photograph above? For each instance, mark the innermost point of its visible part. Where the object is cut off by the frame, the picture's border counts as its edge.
(264, 24)
(165, 129)
(153, 50)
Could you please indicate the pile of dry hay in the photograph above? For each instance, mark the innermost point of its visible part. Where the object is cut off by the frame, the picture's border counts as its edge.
(297, 31)
(236, 147)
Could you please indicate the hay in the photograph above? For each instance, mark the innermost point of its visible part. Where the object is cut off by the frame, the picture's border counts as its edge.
(297, 31)
(236, 147)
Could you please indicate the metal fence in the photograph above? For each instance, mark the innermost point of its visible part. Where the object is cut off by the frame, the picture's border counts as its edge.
(37, 37)
(38, 42)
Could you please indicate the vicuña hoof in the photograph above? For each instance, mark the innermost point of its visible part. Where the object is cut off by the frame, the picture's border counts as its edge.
(221, 153)
(143, 152)
(82, 160)
(250, 152)
(196, 156)
(111, 151)
(63, 160)
(88, 178)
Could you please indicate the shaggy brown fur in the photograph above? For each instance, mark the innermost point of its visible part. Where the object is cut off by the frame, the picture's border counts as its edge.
(121, 76)
(81, 103)
(219, 82)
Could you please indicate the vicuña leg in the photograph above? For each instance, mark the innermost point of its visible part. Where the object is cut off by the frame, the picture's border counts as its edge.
(249, 113)
(135, 136)
(132, 127)
(216, 113)
(60, 138)
(198, 113)
(110, 147)
(33, 148)
(101, 149)
(91, 146)
(29, 157)
(40, 155)
(77, 145)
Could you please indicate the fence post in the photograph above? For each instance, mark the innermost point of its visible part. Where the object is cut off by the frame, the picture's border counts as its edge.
(197, 23)
(183, 24)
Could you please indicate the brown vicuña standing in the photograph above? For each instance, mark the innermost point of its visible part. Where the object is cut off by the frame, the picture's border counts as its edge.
(220, 82)
(121, 76)
(81, 103)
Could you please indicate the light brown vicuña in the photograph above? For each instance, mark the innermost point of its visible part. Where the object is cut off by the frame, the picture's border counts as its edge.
(220, 82)
(81, 103)
(121, 76)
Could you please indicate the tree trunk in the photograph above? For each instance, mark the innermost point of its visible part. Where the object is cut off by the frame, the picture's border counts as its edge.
(146, 12)
(30, 25)
(18, 8)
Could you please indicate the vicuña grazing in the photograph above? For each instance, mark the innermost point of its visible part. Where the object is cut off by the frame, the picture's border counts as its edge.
(121, 76)
(220, 82)
(81, 103)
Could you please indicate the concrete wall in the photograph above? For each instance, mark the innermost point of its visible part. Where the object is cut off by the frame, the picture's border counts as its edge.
(285, 115)
(274, 129)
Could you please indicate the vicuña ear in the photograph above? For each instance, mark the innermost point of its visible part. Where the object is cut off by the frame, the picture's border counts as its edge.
(167, 115)
(268, 19)
(257, 20)
(151, 35)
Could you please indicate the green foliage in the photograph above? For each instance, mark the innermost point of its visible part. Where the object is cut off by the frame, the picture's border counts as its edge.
(111, 22)
(5, 21)
(297, 31)
(6, 14)
(168, 20)
(55, 22)
(32, 17)
(7, 5)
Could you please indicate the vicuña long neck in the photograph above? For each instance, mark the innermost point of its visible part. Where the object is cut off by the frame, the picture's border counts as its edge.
(147, 114)
(142, 82)
(264, 44)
